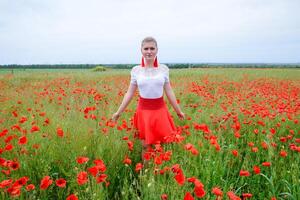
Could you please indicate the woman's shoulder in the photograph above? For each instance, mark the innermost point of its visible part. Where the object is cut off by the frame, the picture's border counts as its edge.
(135, 68)
(164, 67)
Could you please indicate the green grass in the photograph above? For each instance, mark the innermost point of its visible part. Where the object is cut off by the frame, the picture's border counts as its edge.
(64, 94)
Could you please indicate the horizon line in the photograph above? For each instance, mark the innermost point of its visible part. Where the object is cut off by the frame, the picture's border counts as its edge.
(192, 63)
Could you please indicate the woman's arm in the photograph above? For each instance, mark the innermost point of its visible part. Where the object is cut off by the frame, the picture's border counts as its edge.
(126, 100)
(172, 99)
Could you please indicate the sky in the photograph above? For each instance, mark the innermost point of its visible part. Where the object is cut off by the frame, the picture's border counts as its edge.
(111, 31)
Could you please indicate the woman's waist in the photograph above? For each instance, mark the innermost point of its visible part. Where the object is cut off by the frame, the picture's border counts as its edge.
(147, 103)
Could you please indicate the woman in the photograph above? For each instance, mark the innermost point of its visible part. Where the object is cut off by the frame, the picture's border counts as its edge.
(152, 118)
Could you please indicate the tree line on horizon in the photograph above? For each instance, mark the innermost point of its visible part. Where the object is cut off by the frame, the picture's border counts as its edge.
(170, 65)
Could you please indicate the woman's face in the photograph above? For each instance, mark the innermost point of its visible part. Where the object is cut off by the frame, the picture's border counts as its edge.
(149, 50)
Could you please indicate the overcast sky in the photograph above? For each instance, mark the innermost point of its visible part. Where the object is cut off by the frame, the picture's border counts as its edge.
(98, 31)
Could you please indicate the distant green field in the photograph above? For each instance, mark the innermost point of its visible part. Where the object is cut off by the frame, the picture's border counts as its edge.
(227, 72)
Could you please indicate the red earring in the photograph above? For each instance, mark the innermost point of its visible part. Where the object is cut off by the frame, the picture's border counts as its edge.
(155, 64)
(143, 63)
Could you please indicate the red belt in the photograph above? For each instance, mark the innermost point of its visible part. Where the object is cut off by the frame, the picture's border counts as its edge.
(150, 104)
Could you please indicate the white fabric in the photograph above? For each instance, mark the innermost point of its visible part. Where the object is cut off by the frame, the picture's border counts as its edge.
(150, 80)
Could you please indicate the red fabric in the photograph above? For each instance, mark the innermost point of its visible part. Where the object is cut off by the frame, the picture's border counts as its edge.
(143, 62)
(153, 121)
(155, 64)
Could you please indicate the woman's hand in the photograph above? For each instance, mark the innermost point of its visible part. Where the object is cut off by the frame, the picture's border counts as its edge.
(181, 115)
(115, 117)
(127, 98)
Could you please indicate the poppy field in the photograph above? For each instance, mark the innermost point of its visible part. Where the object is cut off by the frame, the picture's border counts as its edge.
(240, 138)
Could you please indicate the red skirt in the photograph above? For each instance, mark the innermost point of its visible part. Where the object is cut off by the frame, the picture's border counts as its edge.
(153, 121)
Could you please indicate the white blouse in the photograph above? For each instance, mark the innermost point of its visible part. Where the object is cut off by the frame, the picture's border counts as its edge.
(150, 80)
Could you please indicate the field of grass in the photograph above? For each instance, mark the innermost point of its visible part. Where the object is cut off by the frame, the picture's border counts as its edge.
(240, 138)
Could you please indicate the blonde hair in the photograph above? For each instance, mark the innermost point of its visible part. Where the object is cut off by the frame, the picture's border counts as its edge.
(149, 39)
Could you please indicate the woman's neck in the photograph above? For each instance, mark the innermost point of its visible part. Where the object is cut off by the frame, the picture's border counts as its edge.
(149, 63)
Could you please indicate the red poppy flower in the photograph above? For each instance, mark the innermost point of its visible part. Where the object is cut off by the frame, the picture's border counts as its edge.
(266, 164)
(127, 160)
(22, 140)
(9, 138)
(72, 197)
(138, 167)
(254, 149)
(46, 121)
(82, 159)
(15, 114)
(61, 182)
(272, 130)
(30, 187)
(21, 181)
(250, 144)
(256, 169)
(9, 147)
(42, 114)
(60, 132)
(82, 177)
(191, 179)
(235, 153)
(100, 165)
(130, 145)
(202, 127)
(22, 120)
(199, 191)
(244, 173)
(246, 195)
(188, 146)
(101, 178)
(14, 191)
(34, 128)
(264, 145)
(93, 170)
(217, 191)
(147, 155)
(164, 197)
(167, 155)
(237, 134)
(6, 183)
(158, 159)
(3, 132)
(6, 172)
(14, 165)
(188, 196)
(283, 153)
(45, 183)
(194, 151)
(232, 196)
(179, 177)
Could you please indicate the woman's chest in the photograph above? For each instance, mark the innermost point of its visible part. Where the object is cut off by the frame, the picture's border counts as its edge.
(150, 78)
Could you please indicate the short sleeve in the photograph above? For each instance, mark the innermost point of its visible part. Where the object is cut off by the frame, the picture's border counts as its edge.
(166, 75)
(133, 77)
